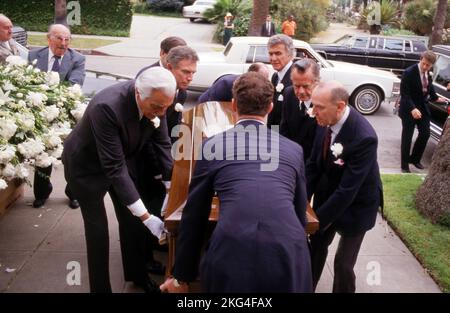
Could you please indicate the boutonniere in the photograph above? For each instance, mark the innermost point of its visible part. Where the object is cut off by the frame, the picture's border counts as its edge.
(156, 121)
(279, 88)
(336, 149)
(339, 162)
(179, 107)
(310, 113)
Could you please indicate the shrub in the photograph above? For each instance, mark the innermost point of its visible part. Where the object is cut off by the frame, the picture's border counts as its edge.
(241, 25)
(98, 17)
(389, 15)
(419, 16)
(236, 7)
(165, 5)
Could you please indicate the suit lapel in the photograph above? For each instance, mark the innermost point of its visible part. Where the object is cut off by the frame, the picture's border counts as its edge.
(65, 65)
(42, 60)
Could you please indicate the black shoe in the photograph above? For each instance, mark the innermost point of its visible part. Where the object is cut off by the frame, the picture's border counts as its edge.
(155, 267)
(73, 204)
(39, 203)
(419, 165)
(149, 286)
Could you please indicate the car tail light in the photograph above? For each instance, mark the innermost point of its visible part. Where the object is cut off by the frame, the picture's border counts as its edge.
(396, 88)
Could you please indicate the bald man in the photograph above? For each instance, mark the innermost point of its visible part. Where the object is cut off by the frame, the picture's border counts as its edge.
(343, 175)
(7, 44)
(69, 64)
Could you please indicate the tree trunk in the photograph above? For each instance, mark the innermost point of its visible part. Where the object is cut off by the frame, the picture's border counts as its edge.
(260, 11)
(432, 197)
(61, 12)
(439, 21)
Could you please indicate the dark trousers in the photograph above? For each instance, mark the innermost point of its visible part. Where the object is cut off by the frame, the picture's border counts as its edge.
(423, 126)
(42, 187)
(344, 261)
(97, 241)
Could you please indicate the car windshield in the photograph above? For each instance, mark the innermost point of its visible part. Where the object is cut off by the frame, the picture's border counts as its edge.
(227, 48)
(343, 40)
(441, 71)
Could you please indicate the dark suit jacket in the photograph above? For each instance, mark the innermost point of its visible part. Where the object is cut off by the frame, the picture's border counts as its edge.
(220, 90)
(275, 116)
(347, 195)
(71, 68)
(259, 243)
(296, 124)
(100, 153)
(264, 31)
(411, 95)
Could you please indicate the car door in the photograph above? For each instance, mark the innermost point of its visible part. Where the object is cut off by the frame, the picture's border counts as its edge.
(392, 55)
(441, 79)
(358, 52)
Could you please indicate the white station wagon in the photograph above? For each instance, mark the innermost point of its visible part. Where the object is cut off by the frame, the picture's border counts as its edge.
(368, 87)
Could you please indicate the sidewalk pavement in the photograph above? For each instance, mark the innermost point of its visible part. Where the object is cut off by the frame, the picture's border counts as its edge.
(39, 244)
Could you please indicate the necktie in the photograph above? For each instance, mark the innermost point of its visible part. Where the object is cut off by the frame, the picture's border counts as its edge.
(326, 143)
(424, 83)
(55, 67)
(302, 107)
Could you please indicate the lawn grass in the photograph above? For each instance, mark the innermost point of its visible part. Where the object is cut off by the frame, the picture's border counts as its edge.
(430, 243)
(77, 43)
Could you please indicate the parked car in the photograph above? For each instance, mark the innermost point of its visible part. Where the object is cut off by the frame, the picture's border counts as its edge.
(440, 112)
(20, 35)
(368, 87)
(197, 9)
(383, 52)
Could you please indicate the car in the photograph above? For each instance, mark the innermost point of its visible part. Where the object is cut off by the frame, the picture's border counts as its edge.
(383, 52)
(367, 87)
(197, 9)
(440, 112)
(20, 35)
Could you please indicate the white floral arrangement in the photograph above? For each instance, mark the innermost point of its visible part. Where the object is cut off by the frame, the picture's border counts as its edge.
(37, 113)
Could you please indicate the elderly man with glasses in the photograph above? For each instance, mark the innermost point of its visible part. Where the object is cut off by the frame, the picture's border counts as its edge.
(69, 64)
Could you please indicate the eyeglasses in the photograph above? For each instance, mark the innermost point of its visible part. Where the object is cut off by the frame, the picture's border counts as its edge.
(61, 38)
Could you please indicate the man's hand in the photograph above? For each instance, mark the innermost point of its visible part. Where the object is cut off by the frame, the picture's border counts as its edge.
(441, 100)
(171, 286)
(416, 114)
(156, 226)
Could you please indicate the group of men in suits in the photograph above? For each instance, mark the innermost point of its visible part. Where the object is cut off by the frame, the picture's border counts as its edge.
(7, 43)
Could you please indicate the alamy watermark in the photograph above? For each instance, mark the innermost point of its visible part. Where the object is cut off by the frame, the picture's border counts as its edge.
(373, 278)
(374, 15)
(251, 142)
(73, 277)
(73, 13)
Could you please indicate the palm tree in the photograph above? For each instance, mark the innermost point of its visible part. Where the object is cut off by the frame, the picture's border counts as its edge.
(260, 11)
(61, 12)
(439, 21)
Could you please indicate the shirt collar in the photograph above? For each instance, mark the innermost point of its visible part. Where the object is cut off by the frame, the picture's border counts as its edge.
(250, 119)
(283, 71)
(420, 71)
(51, 55)
(336, 128)
(307, 103)
(139, 109)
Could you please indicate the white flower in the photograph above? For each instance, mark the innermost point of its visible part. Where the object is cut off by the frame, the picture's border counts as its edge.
(3, 184)
(336, 149)
(31, 148)
(78, 112)
(339, 162)
(75, 90)
(34, 62)
(279, 87)
(19, 95)
(21, 104)
(56, 153)
(8, 86)
(9, 171)
(52, 78)
(44, 87)
(26, 120)
(21, 171)
(156, 121)
(310, 112)
(43, 160)
(7, 128)
(51, 139)
(36, 98)
(16, 60)
(7, 153)
(2, 102)
(50, 112)
(36, 70)
(179, 107)
(62, 129)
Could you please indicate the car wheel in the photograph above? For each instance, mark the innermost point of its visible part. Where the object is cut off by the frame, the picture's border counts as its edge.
(192, 19)
(366, 99)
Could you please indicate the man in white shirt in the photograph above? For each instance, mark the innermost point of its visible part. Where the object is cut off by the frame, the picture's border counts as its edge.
(7, 44)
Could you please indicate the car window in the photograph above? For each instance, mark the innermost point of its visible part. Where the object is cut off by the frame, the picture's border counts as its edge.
(360, 42)
(227, 48)
(441, 71)
(393, 44)
(262, 54)
(380, 44)
(372, 42)
(407, 46)
(250, 55)
(419, 46)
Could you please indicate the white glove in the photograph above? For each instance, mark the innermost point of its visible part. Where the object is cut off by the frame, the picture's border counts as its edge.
(164, 205)
(156, 226)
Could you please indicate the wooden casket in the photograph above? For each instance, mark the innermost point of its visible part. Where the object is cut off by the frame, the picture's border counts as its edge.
(204, 120)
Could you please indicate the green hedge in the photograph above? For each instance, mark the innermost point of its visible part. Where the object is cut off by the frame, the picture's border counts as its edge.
(98, 17)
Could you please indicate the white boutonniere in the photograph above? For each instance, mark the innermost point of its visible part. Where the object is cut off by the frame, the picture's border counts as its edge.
(279, 88)
(339, 162)
(179, 107)
(156, 121)
(310, 113)
(337, 149)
